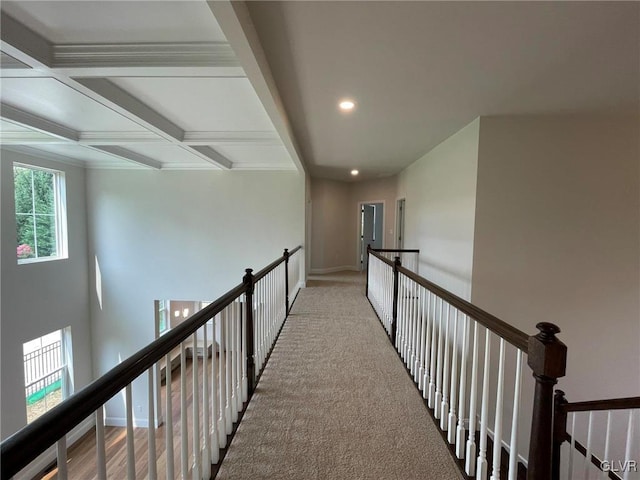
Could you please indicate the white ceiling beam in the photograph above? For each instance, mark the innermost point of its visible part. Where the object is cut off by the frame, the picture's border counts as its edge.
(209, 154)
(252, 138)
(194, 54)
(128, 103)
(24, 45)
(129, 156)
(237, 26)
(39, 124)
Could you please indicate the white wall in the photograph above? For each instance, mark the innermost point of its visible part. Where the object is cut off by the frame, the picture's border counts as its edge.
(177, 234)
(557, 240)
(335, 220)
(38, 298)
(331, 226)
(440, 192)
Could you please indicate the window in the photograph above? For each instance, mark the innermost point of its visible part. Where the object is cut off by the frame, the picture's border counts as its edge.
(47, 372)
(40, 213)
(163, 316)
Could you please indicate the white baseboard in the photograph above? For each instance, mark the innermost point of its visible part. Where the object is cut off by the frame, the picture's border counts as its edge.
(49, 456)
(343, 268)
(122, 422)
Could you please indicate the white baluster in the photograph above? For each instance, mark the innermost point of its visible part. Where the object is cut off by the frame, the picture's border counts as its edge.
(427, 347)
(215, 436)
(454, 384)
(413, 366)
(605, 475)
(481, 468)
(196, 457)
(61, 447)
(238, 355)
(234, 363)
(432, 369)
(131, 456)
(587, 456)
(513, 448)
(222, 429)
(168, 421)
(100, 450)
(151, 429)
(630, 455)
(573, 444)
(497, 425)
(184, 430)
(227, 358)
(422, 340)
(245, 383)
(206, 406)
(444, 406)
(463, 388)
(437, 409)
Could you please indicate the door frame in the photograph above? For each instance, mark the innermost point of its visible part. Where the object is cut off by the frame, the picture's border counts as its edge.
(359, 229)
(396, 244)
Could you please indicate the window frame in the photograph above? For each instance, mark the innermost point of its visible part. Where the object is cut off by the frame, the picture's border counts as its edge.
(60, 213)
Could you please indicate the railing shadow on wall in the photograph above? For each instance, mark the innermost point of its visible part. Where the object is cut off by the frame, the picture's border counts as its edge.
(446, 345)
(212, 397)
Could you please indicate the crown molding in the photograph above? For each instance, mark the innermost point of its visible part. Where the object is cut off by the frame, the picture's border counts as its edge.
(41, 154)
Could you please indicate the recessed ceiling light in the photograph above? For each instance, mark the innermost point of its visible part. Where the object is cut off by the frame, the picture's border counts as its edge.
(354, 172)
(346, 105)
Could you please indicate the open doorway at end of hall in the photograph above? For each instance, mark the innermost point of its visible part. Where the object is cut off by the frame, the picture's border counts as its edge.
(371, 229)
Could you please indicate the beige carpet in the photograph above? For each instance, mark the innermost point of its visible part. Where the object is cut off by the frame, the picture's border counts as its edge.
(334, 401)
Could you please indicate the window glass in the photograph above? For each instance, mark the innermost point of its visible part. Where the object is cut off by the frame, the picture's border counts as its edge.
(46, 372)
(39, 222)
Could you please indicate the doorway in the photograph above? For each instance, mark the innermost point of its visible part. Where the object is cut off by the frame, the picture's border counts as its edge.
(371, 229)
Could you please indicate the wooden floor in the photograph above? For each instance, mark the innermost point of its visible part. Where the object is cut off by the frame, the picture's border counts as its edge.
(81, 458)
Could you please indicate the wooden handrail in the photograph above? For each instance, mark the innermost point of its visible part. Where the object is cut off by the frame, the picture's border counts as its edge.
(60, 420)
(392, 250)
(597, 405)
(501, 328)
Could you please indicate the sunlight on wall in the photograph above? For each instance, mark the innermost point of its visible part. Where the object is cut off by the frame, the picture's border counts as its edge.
(98, 283)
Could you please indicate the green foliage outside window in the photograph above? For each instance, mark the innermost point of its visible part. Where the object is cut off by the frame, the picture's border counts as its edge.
(35, 199)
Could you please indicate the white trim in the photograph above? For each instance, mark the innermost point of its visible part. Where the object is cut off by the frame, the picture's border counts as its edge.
(191, 54)
(343, 268)
(359, 232)
(49, 456)
(122, 422)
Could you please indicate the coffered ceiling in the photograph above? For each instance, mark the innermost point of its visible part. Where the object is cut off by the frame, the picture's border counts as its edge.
(149, 84)
(256, 85)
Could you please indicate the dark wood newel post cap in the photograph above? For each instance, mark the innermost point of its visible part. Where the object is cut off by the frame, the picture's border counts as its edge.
(286, 252)
(397, 261)
(547, 354)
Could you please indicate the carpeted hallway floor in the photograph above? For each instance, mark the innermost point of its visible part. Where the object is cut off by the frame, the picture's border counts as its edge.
(334, 401)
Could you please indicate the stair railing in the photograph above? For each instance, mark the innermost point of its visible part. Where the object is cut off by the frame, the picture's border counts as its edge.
(447, 345)
(615, 454)
(236, 345)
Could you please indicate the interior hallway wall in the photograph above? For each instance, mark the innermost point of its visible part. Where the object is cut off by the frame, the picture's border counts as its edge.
(440, 193)
(336, 216)
(41, 297)
(178, 235)
(557, 240)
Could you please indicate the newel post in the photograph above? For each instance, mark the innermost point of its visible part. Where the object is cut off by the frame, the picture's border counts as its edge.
(548, 360)
(559, 430)
(286, 281)
(247, 280)
(394, 319)
(366, 289)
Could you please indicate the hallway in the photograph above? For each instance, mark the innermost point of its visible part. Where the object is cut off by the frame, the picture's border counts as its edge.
(334, 401)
